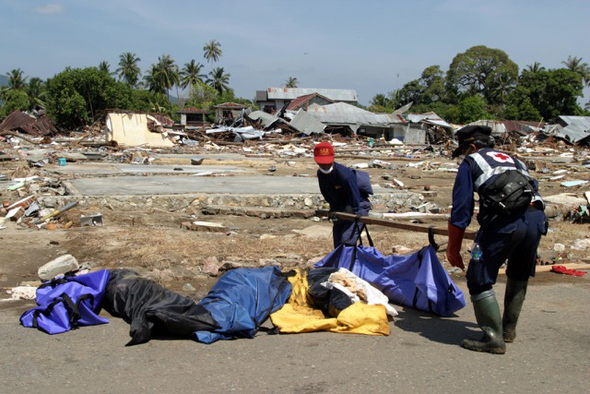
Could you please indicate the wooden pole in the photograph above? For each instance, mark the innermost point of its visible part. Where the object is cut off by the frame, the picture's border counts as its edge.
(390, 223)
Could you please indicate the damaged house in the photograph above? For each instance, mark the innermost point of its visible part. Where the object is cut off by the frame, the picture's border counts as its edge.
(227, 113)
(572, 129)
(272, 99)
(28, 124)
(132, 129)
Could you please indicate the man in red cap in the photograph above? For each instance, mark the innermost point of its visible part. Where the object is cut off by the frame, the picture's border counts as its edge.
(339, 187)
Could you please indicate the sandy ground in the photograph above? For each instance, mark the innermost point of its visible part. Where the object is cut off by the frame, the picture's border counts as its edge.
(422, 354)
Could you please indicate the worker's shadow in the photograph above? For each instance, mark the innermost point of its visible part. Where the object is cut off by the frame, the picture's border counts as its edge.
(446, 330)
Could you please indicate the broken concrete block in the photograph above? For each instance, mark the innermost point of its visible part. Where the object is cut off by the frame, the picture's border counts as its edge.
(197, 160)
(581, 244)
(91, 220)
(211, 266)
(15, 213)
(58, 266)
(204, 226)
(559, 247)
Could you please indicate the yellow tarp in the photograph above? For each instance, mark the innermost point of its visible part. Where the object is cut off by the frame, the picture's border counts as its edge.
(297, 316)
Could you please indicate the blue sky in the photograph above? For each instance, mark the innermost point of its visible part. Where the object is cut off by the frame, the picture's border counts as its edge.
(371, 46)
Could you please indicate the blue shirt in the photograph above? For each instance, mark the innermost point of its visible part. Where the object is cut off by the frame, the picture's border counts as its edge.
(340, 189)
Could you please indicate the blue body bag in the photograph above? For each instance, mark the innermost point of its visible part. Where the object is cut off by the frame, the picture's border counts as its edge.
(242, 300)
(417, 281)
(64, 303)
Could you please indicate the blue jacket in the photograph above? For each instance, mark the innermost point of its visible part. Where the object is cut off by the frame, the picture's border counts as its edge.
(476, 171)
(341, 190)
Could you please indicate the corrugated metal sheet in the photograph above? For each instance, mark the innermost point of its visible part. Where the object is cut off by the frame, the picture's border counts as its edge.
(577, 129)
(429, 118)
(267, 119)
(306, 123)
(346, 114)
(24, 122)
(293, 93)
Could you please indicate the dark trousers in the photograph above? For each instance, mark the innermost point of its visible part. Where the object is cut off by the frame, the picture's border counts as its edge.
(345, 232)
(514, 242)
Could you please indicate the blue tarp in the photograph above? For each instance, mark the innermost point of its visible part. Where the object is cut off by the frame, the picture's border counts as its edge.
(68, 302)
(417, 281)
(242, 300)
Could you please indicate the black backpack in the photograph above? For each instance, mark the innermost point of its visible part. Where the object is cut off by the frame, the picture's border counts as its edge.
(511, 192)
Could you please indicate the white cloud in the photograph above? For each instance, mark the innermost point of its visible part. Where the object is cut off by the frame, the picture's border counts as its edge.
(55, 8)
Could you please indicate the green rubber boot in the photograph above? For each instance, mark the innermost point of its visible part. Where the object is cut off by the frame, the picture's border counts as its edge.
(487, 314)
(513, 300)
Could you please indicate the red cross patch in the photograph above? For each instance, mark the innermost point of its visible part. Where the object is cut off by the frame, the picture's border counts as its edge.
(500, 157)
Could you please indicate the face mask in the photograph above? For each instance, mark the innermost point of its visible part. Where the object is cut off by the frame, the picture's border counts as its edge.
(326, 171)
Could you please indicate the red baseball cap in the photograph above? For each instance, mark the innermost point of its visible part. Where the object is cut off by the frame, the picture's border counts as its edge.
(323, 153)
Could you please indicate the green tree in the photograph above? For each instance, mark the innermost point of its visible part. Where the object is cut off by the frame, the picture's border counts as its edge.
(162, 76)
(291, 82)
(36, 92)
(218, 80)
(191, 74)
(551, 93)
(13, 100)
(212, 51)
(476, 72)
(105, 67)
(534, 68)
(576, 65)
(381, 100)
(472, 108)
(203, 96)
(16, 80)
(128, 68)
(429, 88)
(77, 96)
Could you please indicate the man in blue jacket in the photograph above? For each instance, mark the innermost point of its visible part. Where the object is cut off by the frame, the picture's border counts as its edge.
(511, 222)
(339, 187)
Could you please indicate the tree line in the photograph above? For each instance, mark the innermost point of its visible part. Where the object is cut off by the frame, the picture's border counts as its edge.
(77, 97)
(483, 83)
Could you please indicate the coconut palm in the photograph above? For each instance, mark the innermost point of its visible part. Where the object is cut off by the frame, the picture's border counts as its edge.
(16, 80)
(576, 65)
(162, 76)
(36, 92)
(212, 51)
(190, 74)
(128, 69)
(105, 67)
(291, 82)
(218, 80)
(535, 67)
(152, 80)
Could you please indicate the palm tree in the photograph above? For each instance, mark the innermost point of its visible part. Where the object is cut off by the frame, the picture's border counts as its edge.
(190, 74)
(381, 100)
(152, 80)
(36, 92)
(504, 83)
(291, 82)
(169, 74)
(212, 51)
(535, 67)
(128, 69)
(576, 65)
(162, 76)
(16, 80)
(218, 80)
(105, 67)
